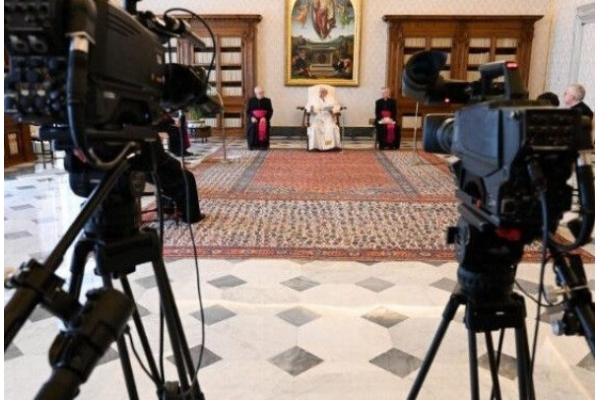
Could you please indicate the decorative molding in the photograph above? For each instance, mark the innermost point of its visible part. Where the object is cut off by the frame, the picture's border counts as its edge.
(585, 15)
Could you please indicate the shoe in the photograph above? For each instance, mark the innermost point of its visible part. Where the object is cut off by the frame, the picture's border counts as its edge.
(188, 154)
(199, 218)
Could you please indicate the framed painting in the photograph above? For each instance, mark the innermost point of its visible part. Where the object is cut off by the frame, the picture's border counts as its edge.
(322, 42)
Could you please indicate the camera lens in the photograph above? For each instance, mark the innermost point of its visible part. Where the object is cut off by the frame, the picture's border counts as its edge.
(437, 133)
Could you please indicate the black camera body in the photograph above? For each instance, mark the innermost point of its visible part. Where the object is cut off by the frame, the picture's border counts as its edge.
(36, 88)
(93, 69)
(94, 78)
(496, 138)
(494, 142)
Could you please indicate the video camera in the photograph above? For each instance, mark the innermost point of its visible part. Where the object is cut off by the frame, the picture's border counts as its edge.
(95, 79)
(90, 73)
(513, 162)
(509, 148)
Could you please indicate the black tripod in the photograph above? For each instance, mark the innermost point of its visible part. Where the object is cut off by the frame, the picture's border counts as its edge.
(486, 276)
(112, 234)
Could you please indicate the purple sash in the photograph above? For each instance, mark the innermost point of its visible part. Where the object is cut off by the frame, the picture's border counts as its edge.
(262, 124)
(390, 127)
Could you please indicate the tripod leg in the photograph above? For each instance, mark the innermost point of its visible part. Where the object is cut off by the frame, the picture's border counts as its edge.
(137, 320)
(493, 361)
(81, 250)
(526, 389)
(126, 367)
(448, 314)
(473, 364)
(181, 353)
(124, 355)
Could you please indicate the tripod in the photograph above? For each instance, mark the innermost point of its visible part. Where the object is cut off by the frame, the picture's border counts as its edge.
(486, 276)
(112, 234)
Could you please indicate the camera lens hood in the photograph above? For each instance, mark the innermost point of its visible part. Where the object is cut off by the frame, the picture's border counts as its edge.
(421, 73)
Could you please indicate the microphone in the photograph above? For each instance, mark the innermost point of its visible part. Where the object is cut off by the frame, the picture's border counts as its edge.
(170, 26)
(182, 28)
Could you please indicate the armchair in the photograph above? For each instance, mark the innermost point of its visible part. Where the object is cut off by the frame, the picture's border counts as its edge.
(321, 118)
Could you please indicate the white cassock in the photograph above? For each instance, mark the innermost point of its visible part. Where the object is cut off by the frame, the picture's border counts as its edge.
(323, 132)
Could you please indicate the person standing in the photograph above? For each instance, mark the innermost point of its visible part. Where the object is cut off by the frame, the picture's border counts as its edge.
(259, 111)
(388, 131)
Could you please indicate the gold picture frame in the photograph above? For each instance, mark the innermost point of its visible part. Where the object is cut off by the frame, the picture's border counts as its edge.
(322, 42)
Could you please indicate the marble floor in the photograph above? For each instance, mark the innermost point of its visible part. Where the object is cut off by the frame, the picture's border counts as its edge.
(282, 329)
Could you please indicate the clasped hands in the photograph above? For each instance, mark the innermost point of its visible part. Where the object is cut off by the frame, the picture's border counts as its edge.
(316, 110)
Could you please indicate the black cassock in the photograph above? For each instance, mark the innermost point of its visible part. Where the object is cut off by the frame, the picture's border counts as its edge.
(255, 139)
(183, 191)
(387, 139)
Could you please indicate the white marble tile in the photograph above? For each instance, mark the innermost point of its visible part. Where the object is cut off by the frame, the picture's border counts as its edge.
(251, 335)
(344, 296)
(338, 336)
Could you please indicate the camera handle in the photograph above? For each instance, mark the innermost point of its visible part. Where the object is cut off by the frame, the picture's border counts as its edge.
(513, 84)
(89, 333)
(29, 295)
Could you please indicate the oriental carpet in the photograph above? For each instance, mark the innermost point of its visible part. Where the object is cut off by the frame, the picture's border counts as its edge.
(362, 205)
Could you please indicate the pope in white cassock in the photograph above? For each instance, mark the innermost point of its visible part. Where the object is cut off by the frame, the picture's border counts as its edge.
(323, 132)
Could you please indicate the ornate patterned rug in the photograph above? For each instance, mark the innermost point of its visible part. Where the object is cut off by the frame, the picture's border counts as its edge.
(362, 205)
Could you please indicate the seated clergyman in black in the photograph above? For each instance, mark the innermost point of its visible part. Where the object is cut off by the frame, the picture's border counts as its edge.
(259, 111)
(388, 131)
(179, 142)
(178, 184)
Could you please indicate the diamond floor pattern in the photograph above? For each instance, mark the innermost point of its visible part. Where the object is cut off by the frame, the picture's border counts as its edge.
(313, 330)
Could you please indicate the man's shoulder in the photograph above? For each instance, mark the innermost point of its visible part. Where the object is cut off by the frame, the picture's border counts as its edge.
(584, 109)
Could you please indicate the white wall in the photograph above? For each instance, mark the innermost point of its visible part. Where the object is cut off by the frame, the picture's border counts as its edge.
(360, 100)
(563, 50)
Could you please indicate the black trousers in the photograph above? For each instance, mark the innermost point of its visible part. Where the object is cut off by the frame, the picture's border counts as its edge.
(252, 137)
(382, 135)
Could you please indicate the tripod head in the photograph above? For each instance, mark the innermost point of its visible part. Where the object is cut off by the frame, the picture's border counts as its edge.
(487, 260)
(488, 257)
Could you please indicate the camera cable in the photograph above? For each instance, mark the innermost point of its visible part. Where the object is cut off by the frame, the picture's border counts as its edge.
(185, 177)
(539, 184)
(581, 228)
